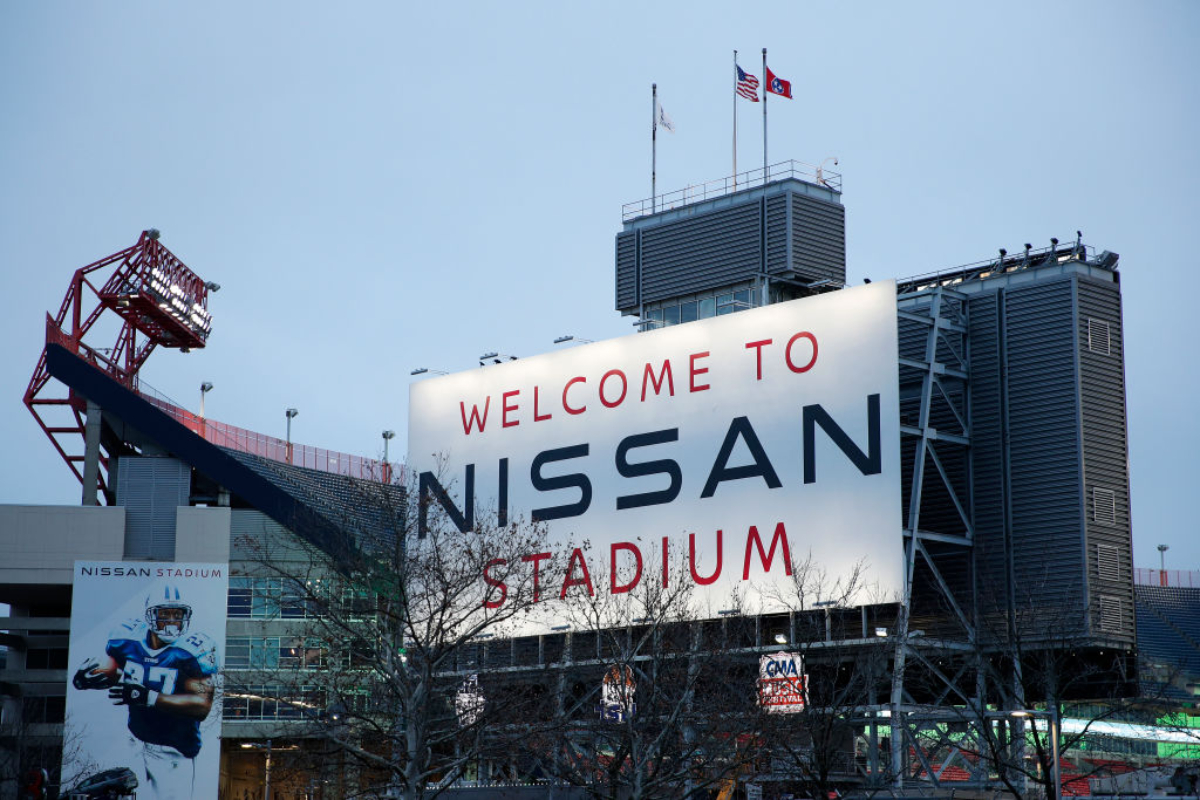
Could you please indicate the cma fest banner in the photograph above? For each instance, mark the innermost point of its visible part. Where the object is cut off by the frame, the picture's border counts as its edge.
(746, 442)
(147, 639)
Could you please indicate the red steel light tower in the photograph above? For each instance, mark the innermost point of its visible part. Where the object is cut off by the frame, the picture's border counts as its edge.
(155, 295)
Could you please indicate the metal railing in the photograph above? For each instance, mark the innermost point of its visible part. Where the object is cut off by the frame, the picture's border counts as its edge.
(1012, 262)
(1183, 578)
(734, 183)
(270, 447)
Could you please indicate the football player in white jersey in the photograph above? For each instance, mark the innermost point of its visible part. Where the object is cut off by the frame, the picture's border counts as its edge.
(164, 675)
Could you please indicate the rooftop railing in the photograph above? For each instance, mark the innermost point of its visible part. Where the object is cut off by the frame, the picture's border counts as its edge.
(1182, 578)
(270, 447)
(1009, 262)
(679, 198)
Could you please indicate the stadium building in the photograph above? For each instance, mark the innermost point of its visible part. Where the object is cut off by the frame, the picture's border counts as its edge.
(1015, 525)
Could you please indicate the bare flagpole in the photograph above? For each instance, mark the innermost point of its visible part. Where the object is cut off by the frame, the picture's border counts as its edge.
(766, 92)
(735, 85)
(653, 144)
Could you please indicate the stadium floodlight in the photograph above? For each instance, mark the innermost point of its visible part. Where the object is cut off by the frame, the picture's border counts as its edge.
(205, 388)
(290, 413)
(387, 437)
(1162, 557)
(495, 358)
(424, 370)
(212, 286)
(572, 338)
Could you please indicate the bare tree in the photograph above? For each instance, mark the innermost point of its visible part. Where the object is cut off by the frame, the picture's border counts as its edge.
(1024, 671)
(653, 696)
(843, 671)
(382, 624)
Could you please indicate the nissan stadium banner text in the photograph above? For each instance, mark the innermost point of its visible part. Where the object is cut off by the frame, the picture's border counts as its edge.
(746, 443)
(147, 639)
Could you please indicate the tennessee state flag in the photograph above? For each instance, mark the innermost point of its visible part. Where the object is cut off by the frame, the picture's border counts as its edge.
(777, 85)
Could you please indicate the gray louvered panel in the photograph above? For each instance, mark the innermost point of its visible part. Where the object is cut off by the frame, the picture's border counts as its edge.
(1045, 456)
(151, 489)
(818, 239)
(701, 253)
(987, 457)
(1105, 449)
(777, 239)
(627, 270)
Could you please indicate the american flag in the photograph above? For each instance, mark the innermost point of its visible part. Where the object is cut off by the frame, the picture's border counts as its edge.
(747, 84)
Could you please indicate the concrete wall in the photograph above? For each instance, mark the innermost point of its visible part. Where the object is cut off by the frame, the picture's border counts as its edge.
(40, 544)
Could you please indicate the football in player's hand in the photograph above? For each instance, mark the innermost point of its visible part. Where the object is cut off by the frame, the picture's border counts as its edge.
(90, 676)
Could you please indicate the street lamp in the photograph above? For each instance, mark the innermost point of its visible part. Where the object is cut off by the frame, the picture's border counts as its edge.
(205, 388)
(291, 412)
(387, 468)
(1051, 717)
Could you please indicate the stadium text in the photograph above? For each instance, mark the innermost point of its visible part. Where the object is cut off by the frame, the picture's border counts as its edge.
(628, 555)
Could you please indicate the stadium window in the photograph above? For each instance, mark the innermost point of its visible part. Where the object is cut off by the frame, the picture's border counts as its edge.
(670, 315)
(264, 653)
(240, 591)
(46, 658)
(725, 304)
(708, 307)
(742, 299)
(43, 709)
(688, 312)
(237, 652)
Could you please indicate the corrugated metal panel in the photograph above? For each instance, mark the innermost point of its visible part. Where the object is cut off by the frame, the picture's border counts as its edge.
(1105, 453)
(777, 239)
(151, 489)
(818, 239)
(627, 270)
(987, 455)
(701, 253)
(722, 247)
(1045, 454)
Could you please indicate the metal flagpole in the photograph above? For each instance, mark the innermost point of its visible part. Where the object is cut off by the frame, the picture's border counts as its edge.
(766, 91)
(653, 142)
(735, 86)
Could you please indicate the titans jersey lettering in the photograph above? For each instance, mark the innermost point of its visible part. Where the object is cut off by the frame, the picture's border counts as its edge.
(164, 671)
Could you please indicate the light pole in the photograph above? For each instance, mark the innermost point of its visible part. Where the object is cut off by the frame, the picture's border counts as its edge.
(387, 468)
(1162, 563)
(1051, 717)
(267, 775)
(205, 388)
(291, 412)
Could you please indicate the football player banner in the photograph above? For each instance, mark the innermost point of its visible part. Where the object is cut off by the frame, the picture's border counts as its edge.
(147, 640)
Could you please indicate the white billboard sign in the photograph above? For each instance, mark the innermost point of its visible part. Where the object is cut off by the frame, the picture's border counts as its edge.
(147, 640)
(744, 443)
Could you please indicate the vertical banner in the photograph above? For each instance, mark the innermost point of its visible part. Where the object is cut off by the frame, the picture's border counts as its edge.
(147, 639)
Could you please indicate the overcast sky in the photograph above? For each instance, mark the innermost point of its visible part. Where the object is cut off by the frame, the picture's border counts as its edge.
(380, 186)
